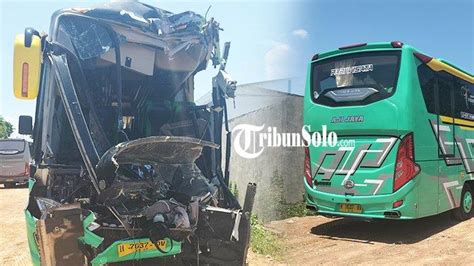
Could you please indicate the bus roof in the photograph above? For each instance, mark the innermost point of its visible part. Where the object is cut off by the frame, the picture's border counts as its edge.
(436, 64)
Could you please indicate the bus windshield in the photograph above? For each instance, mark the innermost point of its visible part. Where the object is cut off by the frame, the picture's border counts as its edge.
(10, 147)
(359, 78)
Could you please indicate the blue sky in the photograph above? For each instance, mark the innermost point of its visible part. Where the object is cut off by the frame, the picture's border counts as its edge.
(440, 28)
(276, 39)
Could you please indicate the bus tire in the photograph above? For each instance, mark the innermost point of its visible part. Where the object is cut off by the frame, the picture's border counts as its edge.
(465, 210)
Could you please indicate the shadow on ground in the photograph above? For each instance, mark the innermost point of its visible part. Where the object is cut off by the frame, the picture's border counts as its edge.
(384, 231)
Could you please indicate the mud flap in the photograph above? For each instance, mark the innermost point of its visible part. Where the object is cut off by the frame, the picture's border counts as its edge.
(57, 232)
(247, 213)
(228, 241)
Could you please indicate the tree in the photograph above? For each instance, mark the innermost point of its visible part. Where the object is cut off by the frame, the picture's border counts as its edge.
(6, 128)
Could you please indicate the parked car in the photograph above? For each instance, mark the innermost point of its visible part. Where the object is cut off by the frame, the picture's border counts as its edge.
(14, 162)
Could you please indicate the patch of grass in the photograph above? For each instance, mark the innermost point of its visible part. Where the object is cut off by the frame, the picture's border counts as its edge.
(234, 189)
(263, 241)
(287, 210)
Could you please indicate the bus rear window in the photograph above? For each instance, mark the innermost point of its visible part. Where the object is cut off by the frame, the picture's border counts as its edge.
(355, 79)
(10, 147)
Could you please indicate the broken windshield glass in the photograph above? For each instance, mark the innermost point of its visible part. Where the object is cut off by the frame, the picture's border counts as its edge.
(88, 38)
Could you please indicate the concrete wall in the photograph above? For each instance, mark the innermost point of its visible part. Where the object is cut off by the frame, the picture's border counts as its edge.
(278, 172)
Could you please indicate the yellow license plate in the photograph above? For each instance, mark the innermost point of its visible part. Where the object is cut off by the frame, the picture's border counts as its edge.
(129, 248)
(347, 207)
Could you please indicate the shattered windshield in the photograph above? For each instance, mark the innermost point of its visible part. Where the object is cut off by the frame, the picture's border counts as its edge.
(355, 78)
(88, 38)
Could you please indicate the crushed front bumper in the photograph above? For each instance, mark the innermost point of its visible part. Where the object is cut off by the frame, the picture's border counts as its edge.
(108, 255)
(112, 253)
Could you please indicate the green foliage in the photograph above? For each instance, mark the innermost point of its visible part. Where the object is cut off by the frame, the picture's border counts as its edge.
(6, 128)
(234, 189)
(263, 241)
(287, 210)
(284, 210)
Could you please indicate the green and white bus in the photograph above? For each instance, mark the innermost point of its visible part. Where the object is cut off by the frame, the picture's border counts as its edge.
(410, 118)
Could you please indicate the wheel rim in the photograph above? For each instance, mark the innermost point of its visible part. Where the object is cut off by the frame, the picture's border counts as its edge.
(467, 202)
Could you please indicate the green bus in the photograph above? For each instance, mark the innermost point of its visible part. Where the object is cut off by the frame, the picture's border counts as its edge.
(409, 119)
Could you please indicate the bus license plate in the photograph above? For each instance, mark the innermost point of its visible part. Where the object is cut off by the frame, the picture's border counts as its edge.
(129, 248)
(347, 207)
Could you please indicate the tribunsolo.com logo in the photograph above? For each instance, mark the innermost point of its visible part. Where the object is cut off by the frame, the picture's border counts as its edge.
(250, 141)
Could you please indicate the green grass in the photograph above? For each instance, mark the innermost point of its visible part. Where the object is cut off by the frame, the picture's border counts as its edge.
(288, 210)
(263, 241)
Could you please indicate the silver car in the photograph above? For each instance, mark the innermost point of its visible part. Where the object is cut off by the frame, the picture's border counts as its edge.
(14, 162)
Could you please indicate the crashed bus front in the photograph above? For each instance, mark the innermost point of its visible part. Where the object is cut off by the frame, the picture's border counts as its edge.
(126, 166)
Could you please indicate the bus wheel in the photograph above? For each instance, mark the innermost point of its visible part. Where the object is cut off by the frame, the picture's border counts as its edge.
(465, 211)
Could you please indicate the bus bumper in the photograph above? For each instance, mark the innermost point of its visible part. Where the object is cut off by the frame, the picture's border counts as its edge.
(110, 254)
(378, 206)
(14, 179)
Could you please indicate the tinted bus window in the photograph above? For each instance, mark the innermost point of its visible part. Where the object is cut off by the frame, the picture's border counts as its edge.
(355, 79)
(456, 96)
(10, 147)
(427, 80)
(445, 85)
(464, 97)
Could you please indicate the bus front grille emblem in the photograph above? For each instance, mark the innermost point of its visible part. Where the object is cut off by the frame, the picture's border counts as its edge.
(349, 184)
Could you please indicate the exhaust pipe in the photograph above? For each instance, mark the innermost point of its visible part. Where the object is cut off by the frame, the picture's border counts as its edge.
(392, 214)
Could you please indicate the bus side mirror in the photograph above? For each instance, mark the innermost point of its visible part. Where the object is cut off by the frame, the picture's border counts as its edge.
(27, 64)
(25, 125)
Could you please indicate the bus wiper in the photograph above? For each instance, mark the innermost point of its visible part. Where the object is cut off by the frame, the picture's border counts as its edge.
(349, 94)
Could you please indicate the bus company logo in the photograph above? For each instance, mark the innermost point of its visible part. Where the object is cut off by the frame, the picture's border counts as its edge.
(250, 141)
(349, 183)
(347, 119)
(467, 116)
(468, 97)
(352, 70)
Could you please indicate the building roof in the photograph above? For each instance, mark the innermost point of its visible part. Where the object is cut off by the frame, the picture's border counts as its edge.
(251, 97)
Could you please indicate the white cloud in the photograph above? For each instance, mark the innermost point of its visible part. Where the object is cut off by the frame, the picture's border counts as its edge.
(277, 61)
(302, 33)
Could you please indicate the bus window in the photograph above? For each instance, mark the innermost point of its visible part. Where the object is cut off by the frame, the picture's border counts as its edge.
(446, 101)
(355, 79)
(464, 98)
(427, 80)
(11, 147)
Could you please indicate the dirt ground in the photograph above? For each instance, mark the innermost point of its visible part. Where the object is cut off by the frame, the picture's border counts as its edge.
(318, 240)
(309, 240)
(13, 228)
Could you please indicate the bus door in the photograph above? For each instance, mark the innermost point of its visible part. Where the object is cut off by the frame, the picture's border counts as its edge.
(446, 132)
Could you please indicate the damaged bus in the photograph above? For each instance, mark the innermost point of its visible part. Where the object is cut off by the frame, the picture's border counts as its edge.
(411, 120)
(126, 167)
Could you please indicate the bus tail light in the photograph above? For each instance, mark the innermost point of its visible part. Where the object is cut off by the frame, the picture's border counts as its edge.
(27, 169)
(397, 204)
(396, 44)
(423, 58)
(307, 167)
(405, 167)
(352, 46)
